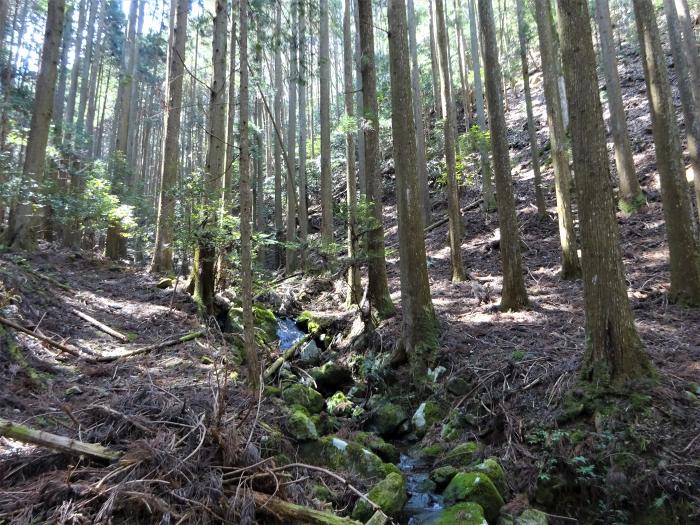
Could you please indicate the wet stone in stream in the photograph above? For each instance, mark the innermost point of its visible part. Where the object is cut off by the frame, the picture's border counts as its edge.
(423, 506)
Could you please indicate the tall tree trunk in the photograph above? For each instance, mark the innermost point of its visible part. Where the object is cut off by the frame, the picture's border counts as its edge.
(205, 252)
(354, 284)
(423, 188)
(448, 109)
(419, 323)
(59, 99)
(291, 252)
(631, 196)
(462, 62)
(231, 117)
(125, 80)
(570, 266)
(361, 175)
(75, 67)
(96, 5)
(95, 73)
(532, 130)
(434, 62)
(21, 232)
(279, 222)
(682, 246)
(163, 249)
(487, 181)
(246, 209)
(514, 295)
(614, 352)
(303, 204)
(324, 64)
(689, 87)
(378, 285)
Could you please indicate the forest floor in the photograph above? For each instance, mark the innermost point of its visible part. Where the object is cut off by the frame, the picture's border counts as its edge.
(182, 416)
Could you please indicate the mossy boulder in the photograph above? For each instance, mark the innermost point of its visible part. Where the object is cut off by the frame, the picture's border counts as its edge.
(426, 415)
(532, 517)
(467, 513)
(381, 448)
(430, 452)
(301, 427)
(442, 476)
(298, 394)
(475, 487)
(338, 454)
(389, 494)
(265, 322)
(389, 419)
(313, 322)
(462, 455)
(331, 377)
(493, 469)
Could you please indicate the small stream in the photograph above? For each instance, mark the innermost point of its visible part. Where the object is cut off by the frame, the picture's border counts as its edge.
(288, 332)
(423, 507)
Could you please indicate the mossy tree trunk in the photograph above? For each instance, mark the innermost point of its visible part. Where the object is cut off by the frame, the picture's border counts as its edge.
(614, 351)
(378, 285)
(513, 295)
(419, 326)
(570, 265)
(682, 245)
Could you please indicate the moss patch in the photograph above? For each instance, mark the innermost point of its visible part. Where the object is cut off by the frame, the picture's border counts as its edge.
(298, 394)
(389, 494)
(475, 487)
(467, 513)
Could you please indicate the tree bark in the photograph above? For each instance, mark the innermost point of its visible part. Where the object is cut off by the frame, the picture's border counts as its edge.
(513, 295)
(279, 222)
(163, 249)
(631, 196)
(324, 64)
(570, 266)
(21, 232)
(378, 285)
(303, 204)
(423, 188)
(246, 198)
(448, 109)
(486, 176)
(532, 130)
(419, 323)
(435, 63)
(83, 10)
(291, 252)
(682, 245)
(614, 351)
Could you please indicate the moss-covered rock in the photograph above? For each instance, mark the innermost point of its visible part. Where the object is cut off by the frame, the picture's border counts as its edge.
(298, 394)
(467, 513)
(389, 494)
(265, 322)
(331, 377)
(381, 448)
(339, 405)
(493, 469)
(475, 487)
(389, 419)
(311, 322)
(426, 415)
(532, 517)
(442, 476)
(462, 455)
(431, 452)
(301, 427)
(338, 454)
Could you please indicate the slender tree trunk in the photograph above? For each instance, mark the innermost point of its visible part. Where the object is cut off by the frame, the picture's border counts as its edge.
(163, 249)
(434, 62)
(462, 62)
(75, 67)
(96, 5)
(532, 130)
(423, 188)
(514, 296)
(231, 118)
(689, 87)
(246, 210)
(21, 232)
(682, 245)
(570, 266)
(95, 73)
(361, 175)
(354, 284)
(291, 252)
(279, 223)
(324, 64)
(59, 100)
(631, 196)
(205, 252)
(419, 323)
(303, 205)
(487, 181)
(689, 44)
(259, 203)
(614, 352)
(448, 109)
(378, 285)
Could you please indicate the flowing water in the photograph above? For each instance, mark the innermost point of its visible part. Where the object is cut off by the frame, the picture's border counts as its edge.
(423, 507)
(288, 332)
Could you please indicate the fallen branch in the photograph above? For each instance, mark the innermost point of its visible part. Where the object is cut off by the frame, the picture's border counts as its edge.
(49, 279)
(439, 223)
(27, 434)
(291, 513)
(106, 329)
(106, 358)
(41, 338)
(286, 356)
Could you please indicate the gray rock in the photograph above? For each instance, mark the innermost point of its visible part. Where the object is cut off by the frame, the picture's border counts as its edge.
(310, 353)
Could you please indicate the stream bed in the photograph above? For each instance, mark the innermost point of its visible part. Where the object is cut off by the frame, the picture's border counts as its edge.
(423, 507)
(288, 332)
